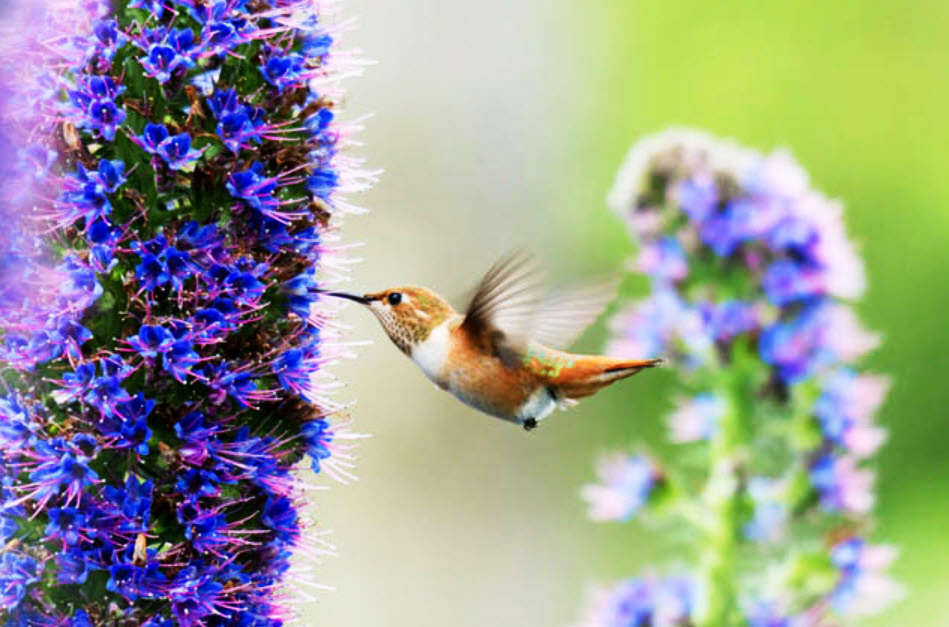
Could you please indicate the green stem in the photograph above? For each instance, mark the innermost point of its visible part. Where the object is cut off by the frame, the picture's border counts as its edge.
(718, 573)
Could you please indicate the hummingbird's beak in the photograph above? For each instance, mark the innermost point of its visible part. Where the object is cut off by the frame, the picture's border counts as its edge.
(363, 300)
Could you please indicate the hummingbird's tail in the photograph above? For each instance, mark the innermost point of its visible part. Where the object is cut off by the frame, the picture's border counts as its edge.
(591, 374)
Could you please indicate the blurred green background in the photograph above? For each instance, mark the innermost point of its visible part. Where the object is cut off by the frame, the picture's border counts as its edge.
(501, 123)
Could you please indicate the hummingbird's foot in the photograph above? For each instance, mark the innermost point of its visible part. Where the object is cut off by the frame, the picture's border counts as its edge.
(530, 424)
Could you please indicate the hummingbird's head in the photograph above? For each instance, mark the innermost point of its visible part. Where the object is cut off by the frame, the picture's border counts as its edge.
(408, 314)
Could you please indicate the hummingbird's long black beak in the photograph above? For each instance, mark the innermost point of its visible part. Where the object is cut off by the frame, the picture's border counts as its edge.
(353, 297)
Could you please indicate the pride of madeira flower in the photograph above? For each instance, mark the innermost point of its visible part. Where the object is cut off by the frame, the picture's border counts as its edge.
(751, 271)
(171, 172)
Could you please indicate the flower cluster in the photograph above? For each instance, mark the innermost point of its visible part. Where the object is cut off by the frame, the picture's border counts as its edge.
(751, 271)
(163, 343)
(37, 289)
(640, 602)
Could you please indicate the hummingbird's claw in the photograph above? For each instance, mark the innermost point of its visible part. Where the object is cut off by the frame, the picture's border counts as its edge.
(530, 424)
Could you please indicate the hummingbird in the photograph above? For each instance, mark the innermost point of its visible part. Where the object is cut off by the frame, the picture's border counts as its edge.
(498, 356)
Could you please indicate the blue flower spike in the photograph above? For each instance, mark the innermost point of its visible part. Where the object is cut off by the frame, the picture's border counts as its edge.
(167, 369)
(752, 277)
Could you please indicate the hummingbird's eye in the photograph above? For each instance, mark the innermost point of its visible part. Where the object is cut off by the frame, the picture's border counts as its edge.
(394, 298)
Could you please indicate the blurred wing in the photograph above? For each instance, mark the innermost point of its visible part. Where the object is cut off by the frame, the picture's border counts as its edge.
(565, 314)
(511, 300)
(507, 299)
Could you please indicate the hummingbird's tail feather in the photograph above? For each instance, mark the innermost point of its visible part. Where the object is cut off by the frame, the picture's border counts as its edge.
(592, 375)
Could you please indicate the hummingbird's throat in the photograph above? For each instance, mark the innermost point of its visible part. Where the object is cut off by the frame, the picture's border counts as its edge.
(402, 333)
(407, 330)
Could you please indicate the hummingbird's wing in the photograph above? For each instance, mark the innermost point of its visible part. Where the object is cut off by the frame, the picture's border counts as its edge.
(566, 313)
(510, 306)
(506, 300)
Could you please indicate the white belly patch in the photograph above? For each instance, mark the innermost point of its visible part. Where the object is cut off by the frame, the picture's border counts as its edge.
(432, 353)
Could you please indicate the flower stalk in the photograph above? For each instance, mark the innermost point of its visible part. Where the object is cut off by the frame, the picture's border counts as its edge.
(180, 169)
(751, 277)
(728, 451)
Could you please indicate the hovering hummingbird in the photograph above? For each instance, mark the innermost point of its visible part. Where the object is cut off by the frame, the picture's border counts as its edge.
(496, 357)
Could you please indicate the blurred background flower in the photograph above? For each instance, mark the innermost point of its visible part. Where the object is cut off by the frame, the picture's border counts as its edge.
(762, 262)
(502, 123)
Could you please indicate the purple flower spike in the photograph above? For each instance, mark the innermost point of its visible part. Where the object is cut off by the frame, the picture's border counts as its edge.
(863, 589)
(102, 239)
(180, 360)
(154, 7)
(664, 259)
(842, 485)
(641, 602)
(152, 138)
(161, 62)
(318, 45)
(222, 35)
(152, 340)
(731, 319)
(258, 192)
(66, 524)
(787, 282)
(179, 267)
(166, 58)
(846, 407)
(748, 268)
(250, 186)
(697, 418)
(281, 516)
(164, 386)
(73, 567)
(798, 347)
(237, 131)
(111, 175)
(131, 581)
(95, 106)
(70, 473)
(177, 151)
(17, 573)
(195, 483)
(104, 116)
(108, 38)
(318, 436)
(698, 197)
(627, 484)
(151, 273)
(182, 40)
(194, 596)
(135, 409)
(284, 72)
(225, 101)
(135, 435)
(322, 182)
